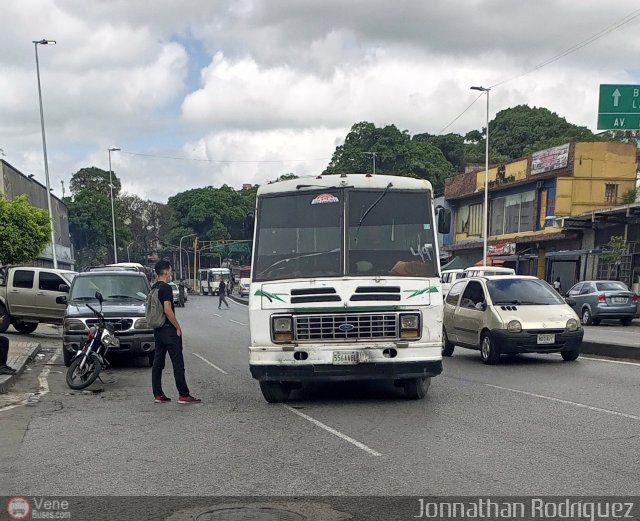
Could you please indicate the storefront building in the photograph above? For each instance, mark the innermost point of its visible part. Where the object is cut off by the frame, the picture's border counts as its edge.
(528, 199)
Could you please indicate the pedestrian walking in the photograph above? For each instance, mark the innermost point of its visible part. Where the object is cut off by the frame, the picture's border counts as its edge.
(4, 355)
(557, 285)
(222, 291)
(168, 339)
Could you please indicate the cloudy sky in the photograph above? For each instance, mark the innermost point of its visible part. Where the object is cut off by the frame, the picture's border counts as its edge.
(246, 90)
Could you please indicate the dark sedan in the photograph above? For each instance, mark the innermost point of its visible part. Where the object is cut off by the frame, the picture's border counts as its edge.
(596, 300)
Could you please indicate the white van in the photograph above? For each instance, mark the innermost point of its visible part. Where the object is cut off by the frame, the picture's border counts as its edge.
(487, 271)
(448, 277)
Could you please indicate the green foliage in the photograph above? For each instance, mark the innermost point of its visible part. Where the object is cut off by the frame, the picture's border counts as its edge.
(616, 249)
(396, 154)
(139, 223)
(25, 230)
(522, 130)
(630, 196)
(211, 213)
(94, 179)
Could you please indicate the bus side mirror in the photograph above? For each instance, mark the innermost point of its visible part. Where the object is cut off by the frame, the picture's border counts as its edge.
(444, 221)
(249, 223)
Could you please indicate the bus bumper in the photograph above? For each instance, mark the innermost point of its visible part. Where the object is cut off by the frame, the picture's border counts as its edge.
(366, 371)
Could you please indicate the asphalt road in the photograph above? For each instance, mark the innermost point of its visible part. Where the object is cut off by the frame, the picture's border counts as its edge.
(532, 425)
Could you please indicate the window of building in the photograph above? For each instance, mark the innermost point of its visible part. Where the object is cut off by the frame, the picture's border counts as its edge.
(611, 192)
(513, 214)
(469, 219)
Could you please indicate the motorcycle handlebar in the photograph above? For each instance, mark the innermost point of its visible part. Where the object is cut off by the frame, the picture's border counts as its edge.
(99, 315)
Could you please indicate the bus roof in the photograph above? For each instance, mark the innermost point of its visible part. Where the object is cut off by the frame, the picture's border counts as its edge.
(362, 181)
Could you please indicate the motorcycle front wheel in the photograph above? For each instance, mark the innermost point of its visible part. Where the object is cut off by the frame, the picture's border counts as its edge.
(78, 378)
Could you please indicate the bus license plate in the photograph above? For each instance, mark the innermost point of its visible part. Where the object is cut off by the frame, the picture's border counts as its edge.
(345, 357)
(546, 339)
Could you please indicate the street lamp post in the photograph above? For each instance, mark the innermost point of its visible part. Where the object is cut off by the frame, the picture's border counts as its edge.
(180, 249)
(44, 152)
(128, 246)
(373, 156)
(486, 180)
(113, 215)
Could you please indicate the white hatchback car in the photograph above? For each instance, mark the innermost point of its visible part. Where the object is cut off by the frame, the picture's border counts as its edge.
(509, 314)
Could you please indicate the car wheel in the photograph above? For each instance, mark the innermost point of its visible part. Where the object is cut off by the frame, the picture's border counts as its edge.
(416, 388)
(488, 350)
(447, 346)
(67, 357)
(570, 355)
(626, 321)
(5, 319)
(275, 392)
(25, 327)
(587, 318)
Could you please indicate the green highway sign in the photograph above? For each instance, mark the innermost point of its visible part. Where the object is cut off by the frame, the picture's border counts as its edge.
(619, 107)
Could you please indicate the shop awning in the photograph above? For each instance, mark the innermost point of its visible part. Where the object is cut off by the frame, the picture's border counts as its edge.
(490, 262)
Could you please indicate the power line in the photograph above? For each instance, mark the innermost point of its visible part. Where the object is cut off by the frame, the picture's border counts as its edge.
(461, 114)
(603, 32)
(619, 23)
(225, 161)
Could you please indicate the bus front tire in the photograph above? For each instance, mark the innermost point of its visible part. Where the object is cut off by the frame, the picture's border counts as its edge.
(416, 388)
(275, 392)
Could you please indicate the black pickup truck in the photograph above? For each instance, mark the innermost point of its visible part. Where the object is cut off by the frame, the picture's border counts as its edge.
(124, 293)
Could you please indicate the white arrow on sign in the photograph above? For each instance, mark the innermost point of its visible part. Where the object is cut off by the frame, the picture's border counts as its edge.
(616, 95)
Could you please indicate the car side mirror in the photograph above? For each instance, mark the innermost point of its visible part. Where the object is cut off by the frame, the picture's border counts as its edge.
(570, 301)
(64, 288)
(99, 297)
(483, 306)
(61, 300)
(444, 221)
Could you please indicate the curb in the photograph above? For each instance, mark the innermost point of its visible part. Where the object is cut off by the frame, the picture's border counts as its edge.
(239, 300)
(6, 381)
(610, 350)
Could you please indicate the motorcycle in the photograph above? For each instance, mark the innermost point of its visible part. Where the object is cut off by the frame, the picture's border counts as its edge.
(91, 359)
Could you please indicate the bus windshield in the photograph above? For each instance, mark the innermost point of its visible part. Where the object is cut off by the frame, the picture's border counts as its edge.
(391, 233)
(299, 235)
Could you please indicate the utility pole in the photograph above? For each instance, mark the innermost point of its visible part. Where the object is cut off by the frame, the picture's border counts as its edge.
(62, 183)
(373, 156)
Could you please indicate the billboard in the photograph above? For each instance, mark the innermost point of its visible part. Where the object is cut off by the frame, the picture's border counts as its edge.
(503, 248)
(550, 159)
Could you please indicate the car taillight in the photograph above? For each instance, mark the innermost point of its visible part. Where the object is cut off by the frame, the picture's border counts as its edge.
(636, 299)
(602, 298)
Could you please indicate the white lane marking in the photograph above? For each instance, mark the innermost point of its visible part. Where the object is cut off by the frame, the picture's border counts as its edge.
(236, 322)
(216, 315)
(566, 402)
(44, 387)
(333, 431)
(210, 363)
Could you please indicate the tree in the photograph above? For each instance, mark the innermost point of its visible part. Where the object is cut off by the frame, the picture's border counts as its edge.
(94, 179)
(616, 249)
(630, 196)
(25, 230)
(396, 154)
(451, 145)
(522, 130)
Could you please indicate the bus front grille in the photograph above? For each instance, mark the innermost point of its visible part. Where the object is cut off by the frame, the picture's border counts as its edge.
(346, 327)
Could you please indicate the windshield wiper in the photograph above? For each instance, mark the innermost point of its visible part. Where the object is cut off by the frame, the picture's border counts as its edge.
(517, 302)
(368, 210)
(303, 256)
(125, 296)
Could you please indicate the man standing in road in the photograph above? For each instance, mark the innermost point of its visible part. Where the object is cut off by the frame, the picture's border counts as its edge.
(168, 339)
(222, 291)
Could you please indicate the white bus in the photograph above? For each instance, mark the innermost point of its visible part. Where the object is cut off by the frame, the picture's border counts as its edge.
(346, 283)
(210, 279)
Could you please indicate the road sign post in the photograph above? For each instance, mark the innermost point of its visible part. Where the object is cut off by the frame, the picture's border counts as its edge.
(619, 107)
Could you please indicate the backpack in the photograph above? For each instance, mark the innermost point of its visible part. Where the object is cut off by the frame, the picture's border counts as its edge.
(153, 310)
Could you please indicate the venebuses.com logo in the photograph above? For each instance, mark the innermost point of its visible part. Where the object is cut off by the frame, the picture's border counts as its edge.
(18, 508)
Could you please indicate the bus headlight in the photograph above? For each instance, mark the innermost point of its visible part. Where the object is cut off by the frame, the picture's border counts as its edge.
(282, 328)
(410, 325)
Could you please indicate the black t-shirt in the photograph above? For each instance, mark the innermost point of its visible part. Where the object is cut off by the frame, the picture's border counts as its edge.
(222, 285)
(165, 293)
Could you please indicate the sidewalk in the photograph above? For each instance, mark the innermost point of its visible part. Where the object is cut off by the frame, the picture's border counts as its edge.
(20, 353)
